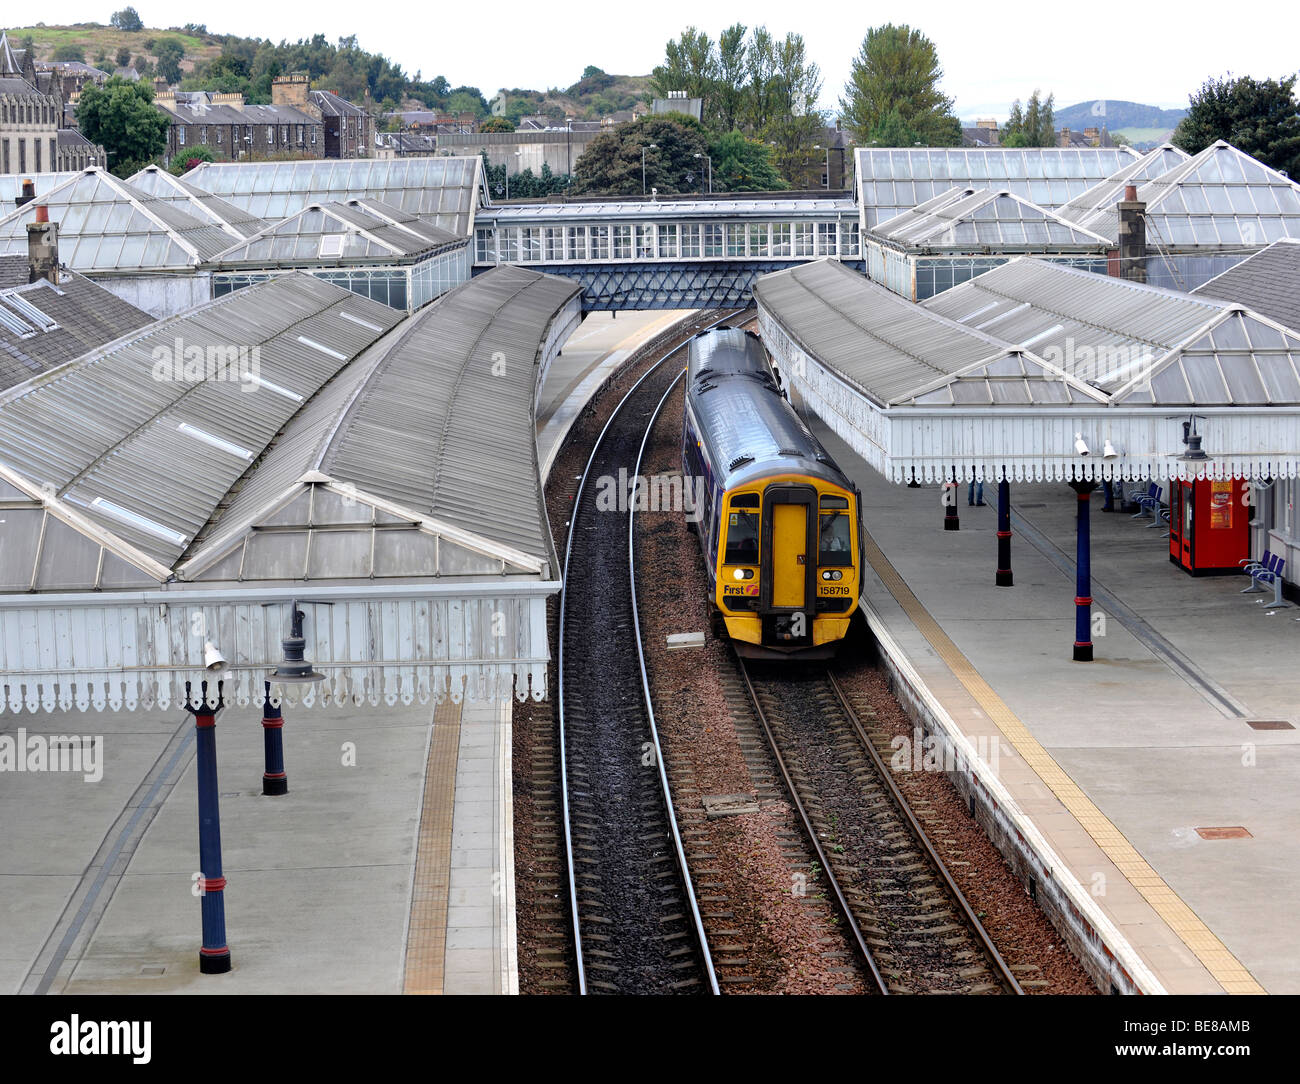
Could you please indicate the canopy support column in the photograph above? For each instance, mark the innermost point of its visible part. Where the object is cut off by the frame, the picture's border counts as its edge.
(1083, 579)
(1003, 578)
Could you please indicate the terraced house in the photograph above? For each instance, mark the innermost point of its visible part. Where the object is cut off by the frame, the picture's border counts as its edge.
(299, 123)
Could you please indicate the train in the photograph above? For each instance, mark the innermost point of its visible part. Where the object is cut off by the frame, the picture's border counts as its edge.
(779, 523)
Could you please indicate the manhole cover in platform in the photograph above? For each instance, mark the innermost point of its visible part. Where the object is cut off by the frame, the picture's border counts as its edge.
(1269, 724)
(153, 969)
(1232, 832)
(728, 805)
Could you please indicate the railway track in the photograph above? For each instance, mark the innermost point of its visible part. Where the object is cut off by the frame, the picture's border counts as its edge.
(913, 928)
(635, 918)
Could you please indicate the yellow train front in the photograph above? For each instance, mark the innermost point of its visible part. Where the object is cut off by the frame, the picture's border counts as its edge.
(777, 519)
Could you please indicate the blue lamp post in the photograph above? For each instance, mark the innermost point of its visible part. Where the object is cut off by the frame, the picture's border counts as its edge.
(293, 670)
(214, 956)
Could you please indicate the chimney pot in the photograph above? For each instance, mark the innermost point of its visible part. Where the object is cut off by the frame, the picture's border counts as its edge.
(42, 213)
(1130, 193)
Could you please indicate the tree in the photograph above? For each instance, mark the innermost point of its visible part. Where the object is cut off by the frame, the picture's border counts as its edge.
(69, 52)
(743, 165)
(1032, 125)
(727, 98)
(127, 19)
(590, 71)
(1258, 116)
(794, 122)
(611, 164)
(897, 68)
(170, 52)
(689, 65)
(892, 131)
(189, 159)
(123, 57)
(121, 116)
(496, 124)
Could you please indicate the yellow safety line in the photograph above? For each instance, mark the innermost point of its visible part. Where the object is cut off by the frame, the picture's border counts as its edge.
(1226, 969)
(426, 938)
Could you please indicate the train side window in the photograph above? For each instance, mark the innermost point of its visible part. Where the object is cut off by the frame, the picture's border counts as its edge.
(835, 545)
(742, 538)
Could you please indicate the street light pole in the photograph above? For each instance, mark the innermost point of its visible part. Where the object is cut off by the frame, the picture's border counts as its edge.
(650, 147)
(710, 161)
(568, 150)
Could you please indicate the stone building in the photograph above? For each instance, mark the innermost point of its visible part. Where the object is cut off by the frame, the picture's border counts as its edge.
(34, 136)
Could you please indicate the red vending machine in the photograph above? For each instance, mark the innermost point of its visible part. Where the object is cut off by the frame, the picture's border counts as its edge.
(1209, 525)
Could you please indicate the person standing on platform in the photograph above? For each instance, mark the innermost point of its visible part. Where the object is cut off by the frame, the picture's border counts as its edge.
(975, 493)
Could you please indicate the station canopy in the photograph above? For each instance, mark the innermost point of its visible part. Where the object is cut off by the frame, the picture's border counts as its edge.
(193, 200)
(106, 224)
(1219, 198)
(1005, 372)
(1109, 192)
(356, 231)
(383, 476)
(675, 209)
(443, 191)
(11, 185)
(982, 219)
(892, 180)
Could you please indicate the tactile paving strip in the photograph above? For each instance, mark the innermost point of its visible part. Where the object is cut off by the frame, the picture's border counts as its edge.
(1227, 970)
(426, 938)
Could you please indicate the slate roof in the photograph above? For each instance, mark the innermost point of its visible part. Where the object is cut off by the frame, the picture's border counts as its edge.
(1268, 282)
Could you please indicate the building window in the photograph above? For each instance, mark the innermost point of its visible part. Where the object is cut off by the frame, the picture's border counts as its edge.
(313, 137)
(825, 238)
(300, 135)
(668, 240)
(270, 133)
(758, 245)
(284, 133)
(576, 242)
(803, 239)
(180, 134)
(780, 238)
(553, 236)
(36, 146)
(510, 245)
(622, 242)
(218, 137)
(690, 241)
(712, 240)
(600, 242)
(203, 134)
(736, 240)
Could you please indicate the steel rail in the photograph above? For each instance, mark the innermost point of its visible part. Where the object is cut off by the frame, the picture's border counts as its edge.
(1000, 967)
(823, 859)
(564, 591)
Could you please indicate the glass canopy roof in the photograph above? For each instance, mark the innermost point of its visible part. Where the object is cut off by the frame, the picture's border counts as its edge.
(895, 179)
(105, 224)
(195, 201)
(970, 218)
(1111, 190)
(1220, 198)
(356, 231)
(444, 191)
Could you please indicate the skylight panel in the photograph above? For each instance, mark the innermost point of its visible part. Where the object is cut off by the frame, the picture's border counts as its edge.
(331, 246)
(262, 382)
(323, 349)
(358, 320)
(15, 324)
(214, 441)
(32, 312)
(134, 519)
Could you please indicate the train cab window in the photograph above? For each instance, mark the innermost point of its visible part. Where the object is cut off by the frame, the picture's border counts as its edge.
(742, 538)
(835, 544)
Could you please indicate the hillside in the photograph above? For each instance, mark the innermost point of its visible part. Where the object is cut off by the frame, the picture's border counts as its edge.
(97, 39)
(1118, 116)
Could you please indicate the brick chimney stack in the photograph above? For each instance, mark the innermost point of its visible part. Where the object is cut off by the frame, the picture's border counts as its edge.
(43, 247)
(1132, 236)
(27, 194)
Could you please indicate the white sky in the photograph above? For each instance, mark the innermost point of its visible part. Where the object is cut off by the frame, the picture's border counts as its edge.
(991, 52)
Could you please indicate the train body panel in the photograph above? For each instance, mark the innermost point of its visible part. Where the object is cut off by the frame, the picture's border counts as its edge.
(779, 528)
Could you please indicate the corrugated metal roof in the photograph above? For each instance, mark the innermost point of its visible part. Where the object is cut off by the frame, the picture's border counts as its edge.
(421, 456)
(1137, 343)
(444, 191)
(43, 325)
(978, 219)
(1268, 282)
(142, 443)
(106, 224)
(891, 180)
(366, 231)
(896, 352)
(195, 201)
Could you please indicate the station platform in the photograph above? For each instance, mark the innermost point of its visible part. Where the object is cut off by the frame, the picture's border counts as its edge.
(1184, 721)
(388, 867)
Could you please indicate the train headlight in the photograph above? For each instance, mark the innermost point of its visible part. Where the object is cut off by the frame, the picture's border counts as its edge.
(832, 574)
(744, 574)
